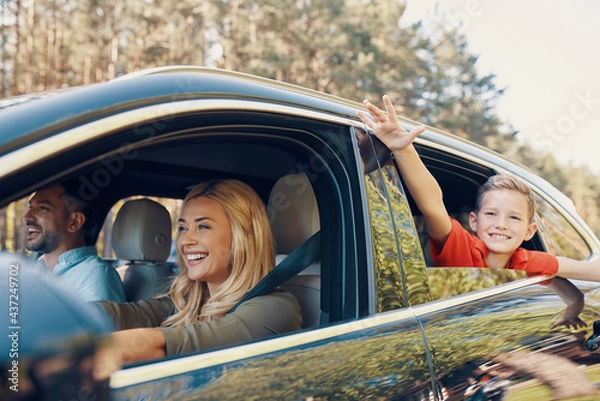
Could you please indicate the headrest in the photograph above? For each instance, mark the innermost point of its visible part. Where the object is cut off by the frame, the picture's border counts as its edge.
(293, 212)
(142, 231)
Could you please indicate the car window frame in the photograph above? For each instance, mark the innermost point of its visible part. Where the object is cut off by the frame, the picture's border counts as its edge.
(350, 288)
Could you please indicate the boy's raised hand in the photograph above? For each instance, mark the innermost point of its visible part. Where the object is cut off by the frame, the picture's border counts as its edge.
(386, 127)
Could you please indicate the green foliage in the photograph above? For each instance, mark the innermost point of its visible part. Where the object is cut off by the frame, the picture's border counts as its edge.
(351, 48)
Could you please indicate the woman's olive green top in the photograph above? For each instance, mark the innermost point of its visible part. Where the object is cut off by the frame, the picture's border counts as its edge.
(275, 313)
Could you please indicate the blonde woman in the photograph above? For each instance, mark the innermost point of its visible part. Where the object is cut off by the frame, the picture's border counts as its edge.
(224, 248)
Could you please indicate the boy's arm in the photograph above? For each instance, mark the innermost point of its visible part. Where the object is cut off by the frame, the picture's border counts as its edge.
(420, 183)
(574, 300)
(426, 192)
(579, 269)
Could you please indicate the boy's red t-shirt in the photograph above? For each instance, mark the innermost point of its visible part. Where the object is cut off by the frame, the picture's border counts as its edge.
(463, 249)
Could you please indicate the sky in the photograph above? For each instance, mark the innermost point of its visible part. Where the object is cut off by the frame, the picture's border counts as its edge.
(547, 56)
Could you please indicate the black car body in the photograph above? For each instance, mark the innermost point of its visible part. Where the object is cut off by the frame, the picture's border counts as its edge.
(389, 326)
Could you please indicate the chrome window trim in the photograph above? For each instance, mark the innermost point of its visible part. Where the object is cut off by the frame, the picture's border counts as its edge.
(470, 297)
(24, 157)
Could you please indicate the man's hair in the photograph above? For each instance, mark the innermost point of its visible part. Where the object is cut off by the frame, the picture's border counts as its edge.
(507, 182)
(74, 203)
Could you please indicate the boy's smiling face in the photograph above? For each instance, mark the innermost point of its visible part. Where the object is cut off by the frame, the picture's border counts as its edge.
(502, 221)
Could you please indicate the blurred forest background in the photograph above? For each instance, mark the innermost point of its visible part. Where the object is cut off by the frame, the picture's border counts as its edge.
(351, 48)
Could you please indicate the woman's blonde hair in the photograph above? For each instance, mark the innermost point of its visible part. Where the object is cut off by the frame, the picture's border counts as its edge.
(252, 255)
(507, 182)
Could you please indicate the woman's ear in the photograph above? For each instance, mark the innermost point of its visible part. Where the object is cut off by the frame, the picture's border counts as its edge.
(473, 221)
(76, 220)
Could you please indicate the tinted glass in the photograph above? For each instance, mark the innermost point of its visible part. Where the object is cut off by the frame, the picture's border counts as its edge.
(413, 261)
(400, 274)
(388, 276)
(559, 236)
(12, 229)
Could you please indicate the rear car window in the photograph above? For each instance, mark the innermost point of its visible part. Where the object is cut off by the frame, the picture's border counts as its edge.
(559, 236)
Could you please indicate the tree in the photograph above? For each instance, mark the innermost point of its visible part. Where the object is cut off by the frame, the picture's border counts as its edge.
(353, 48)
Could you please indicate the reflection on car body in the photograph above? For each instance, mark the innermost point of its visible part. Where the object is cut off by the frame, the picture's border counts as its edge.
(387, 325)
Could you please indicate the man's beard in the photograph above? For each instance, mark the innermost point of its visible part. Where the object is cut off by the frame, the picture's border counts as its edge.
(47, 243)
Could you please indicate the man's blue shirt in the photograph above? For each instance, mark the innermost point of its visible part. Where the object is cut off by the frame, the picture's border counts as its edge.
(84, 271)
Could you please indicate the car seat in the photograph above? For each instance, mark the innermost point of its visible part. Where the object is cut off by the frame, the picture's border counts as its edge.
(294, 218)
(141, 236)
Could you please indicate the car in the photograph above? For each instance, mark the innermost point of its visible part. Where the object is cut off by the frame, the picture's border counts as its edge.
(379, 321)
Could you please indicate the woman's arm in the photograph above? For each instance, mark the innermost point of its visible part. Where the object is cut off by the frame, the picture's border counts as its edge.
(128, 346)
(131, 315)
(268, 315)
(275, 313)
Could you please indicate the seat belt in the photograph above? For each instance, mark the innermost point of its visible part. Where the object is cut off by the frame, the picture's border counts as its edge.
(300, 258)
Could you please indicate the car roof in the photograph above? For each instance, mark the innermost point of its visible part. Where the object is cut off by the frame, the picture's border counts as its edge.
(27, 121)
(30, 118)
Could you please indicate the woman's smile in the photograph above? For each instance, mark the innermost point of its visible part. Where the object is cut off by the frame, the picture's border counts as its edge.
(204, 241)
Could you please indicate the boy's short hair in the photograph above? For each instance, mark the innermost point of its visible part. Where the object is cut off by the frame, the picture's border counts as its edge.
(507, 182)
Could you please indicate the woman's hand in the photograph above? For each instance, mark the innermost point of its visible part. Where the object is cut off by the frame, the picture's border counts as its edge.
(127, 346)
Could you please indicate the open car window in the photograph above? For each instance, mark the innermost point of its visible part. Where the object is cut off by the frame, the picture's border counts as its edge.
(162, 162)
(459, 180)
(12, 233)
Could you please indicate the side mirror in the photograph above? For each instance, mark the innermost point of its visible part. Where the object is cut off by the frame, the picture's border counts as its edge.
(49, 337)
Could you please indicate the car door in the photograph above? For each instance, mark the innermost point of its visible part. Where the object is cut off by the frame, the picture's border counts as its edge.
(368, 344)
(346, 355)
(156, 135)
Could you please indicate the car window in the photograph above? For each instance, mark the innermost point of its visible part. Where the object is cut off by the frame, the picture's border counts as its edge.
(12, 230)
(389, 281)
(258, 151)
(396, 247)
(175, 165)
(412, 260)
(559, 236)
(459, 179)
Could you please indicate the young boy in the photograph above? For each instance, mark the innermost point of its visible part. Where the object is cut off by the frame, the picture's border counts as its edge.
(503, 219)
